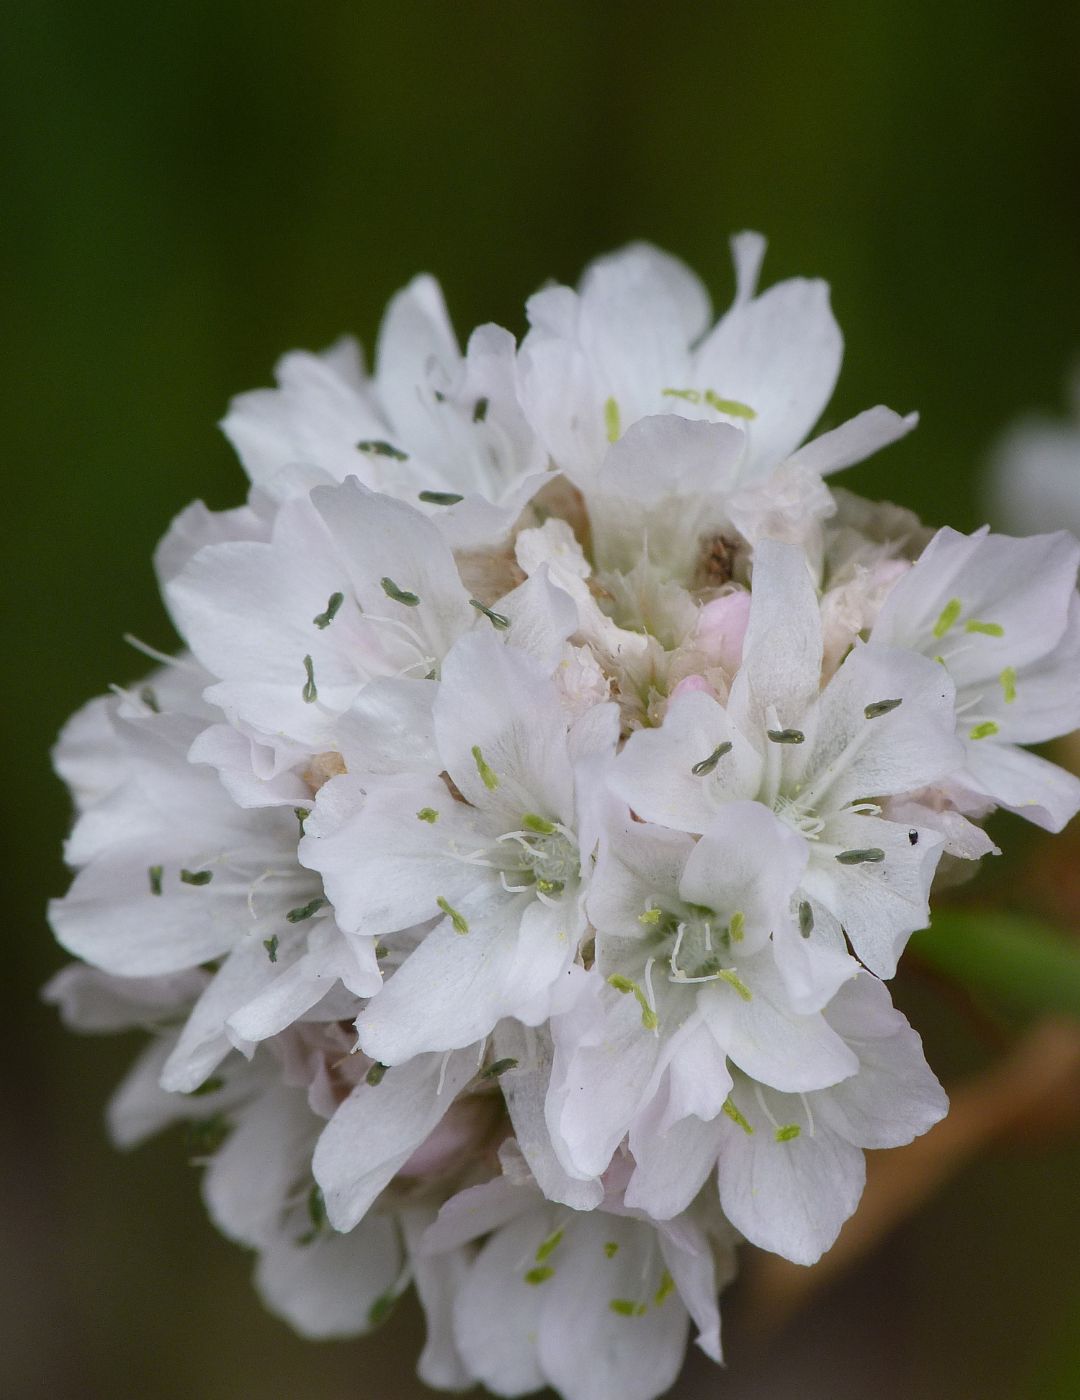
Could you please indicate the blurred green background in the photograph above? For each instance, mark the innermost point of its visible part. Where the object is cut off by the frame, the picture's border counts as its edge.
(194, 188)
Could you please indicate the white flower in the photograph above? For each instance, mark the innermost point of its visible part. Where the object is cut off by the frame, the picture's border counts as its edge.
(173, 875)
(1002, 617)
(818, 758)
(593, 1303)
(441, 431)
(495, 855)
(636, 341)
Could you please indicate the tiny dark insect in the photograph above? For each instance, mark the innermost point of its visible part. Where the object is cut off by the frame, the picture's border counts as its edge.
(913, 837)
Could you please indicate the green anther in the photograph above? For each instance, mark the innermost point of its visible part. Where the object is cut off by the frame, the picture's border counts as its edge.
(531, 822)
(196, 877)
(871, 855)
(611, 1248)
(458, 921)
(667, 1287)
(480, 409)
(149, 698)
(986, 629)
(399, 595)
(733, 980)
(690, 395)
(1008, 683)
(806, 919)
(440, 498)
(499, 1067)
(611, 420)
(949, 615)
(309, 692)
(549, 1246)
(737, 1117)
(650, 916)
(881, 707)
(737, 927)
(540, 1274)
(626, 1308)
(378, 448)
(707, 765)
(155, 873)
(427, 814)
(549, 886)
(316, 1207)
(624, 984)
(786, 736)
(271, 946)
(333, 603)
(301, 814)
(986, 730)
(732, 407)
(375, 1074)
(788, 1133)
(487, 776)
(381, 1309)
(305, 911)
(498, 620)
(208, 1086)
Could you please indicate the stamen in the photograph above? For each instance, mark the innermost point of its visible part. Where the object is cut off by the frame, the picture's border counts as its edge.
(459, 922)
(487, 776)
(651, 916)
(651, 996)
(870, 855)
(737, 927)
(305, 911)
(377, 448)
(196, 877)
(531, 822)
(707, 765)
(673, 960)
(440, 498)
(881, 707)
(667, 1287)
(611, 1248)
(480, 409)
(809, 1114)
(541, 1274)
(764, 1106)
(427, 814)
(625, 985)
(149, 698)
(788, 1133)
(309, 692)
(987, 629)
(493, 1071)
(399, 595)
(950, 613)
(498, 620)
(1008, 683)
(271, 946)
(786, 736)
(626, 1307)
(986, 730)
(726, 974)
(155, 873)
(611, 420)
(806, 918)
(333, 603)
(737, 1117)
(375, 1074)
(549, 1246)
(732, 407)
(690, 395)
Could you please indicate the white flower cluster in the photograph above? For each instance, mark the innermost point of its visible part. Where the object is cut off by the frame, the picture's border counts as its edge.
(509, 868)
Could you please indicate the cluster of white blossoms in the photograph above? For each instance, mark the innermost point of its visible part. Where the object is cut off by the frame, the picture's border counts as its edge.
(510, 867)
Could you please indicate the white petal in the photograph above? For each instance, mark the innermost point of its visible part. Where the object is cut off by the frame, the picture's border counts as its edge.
(377, 1129)
(1042, 792)
(860, 437)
